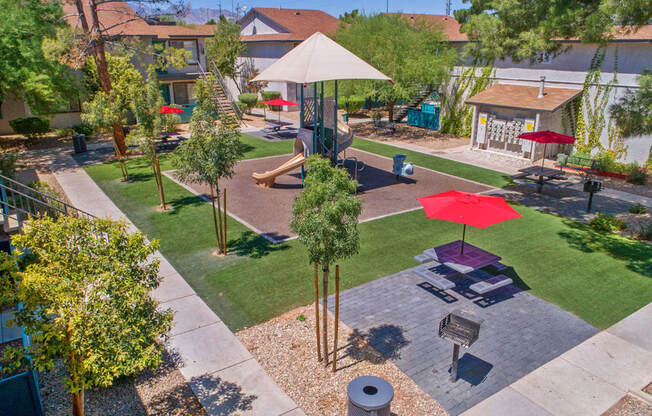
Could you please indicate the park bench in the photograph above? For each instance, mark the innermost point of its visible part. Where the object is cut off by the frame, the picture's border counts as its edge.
(435, 278)
(583, 164)
(491, 284)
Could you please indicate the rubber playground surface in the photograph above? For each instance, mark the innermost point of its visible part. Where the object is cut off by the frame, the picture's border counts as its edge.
(267, 211)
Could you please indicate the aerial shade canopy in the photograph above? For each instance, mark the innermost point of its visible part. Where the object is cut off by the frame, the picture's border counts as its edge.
(319, 58)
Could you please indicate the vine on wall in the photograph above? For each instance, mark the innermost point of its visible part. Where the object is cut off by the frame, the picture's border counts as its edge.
(457, 117)
(591, 115)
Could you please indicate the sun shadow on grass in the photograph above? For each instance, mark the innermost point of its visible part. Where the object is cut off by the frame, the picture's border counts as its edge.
(253, 245)
(185, 202)
(637, 255)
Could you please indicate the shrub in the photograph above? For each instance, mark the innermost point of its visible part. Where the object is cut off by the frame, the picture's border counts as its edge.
(169, 122)
(646, 232)
(606, 222)
(83, 128)
(249, 99)
(636, 174)
(270, 95)
(638, 209)
(30, 127)
(376, 116)
(67, 131)
(8, 164)
(351, 104)
(608, 162)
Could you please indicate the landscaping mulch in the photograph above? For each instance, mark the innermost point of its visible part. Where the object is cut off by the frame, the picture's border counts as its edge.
(409, 134)
(630, 406)
(160, 391)
(285, 347)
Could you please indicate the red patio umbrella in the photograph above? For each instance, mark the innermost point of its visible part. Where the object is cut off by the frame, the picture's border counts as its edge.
(545, 137)
(466, 208)
(166, 109)
(278, 101)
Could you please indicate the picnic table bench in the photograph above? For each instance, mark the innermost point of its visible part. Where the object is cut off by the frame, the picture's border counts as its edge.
(435, 274)
(275, 126)
(540, 175)
(579, 163)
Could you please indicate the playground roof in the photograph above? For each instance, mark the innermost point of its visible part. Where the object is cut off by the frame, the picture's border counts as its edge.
(319, 58)
(523, 97)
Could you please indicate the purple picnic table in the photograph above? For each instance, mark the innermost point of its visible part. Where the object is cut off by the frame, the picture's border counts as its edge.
(473, 258)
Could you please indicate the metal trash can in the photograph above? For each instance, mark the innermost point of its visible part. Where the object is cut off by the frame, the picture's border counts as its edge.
(369, 396)
(79, 143)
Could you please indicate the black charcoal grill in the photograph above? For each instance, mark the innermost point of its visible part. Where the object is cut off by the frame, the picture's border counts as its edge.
(460, 329)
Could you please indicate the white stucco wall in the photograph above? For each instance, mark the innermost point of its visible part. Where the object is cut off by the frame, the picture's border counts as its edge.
(257, 24)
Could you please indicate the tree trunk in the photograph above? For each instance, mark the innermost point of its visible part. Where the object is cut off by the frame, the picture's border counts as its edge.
(160, 181)
(390, 110)
(225, 216)
(219, 219)
(337, 314)
(317, 311)
(217, 233)
(325, 315)
(78, 403)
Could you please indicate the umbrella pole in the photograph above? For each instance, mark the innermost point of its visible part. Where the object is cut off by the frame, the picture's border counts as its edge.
(543, 159)
(463, 236)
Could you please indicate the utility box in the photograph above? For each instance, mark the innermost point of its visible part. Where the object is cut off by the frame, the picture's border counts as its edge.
(369, 396)
(79, 143)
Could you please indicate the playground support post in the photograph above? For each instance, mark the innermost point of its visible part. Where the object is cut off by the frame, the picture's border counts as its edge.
(335, 127)
(314, 128)
(322, 127)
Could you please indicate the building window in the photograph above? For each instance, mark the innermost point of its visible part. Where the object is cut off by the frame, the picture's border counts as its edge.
(183, 92)
(189, 45)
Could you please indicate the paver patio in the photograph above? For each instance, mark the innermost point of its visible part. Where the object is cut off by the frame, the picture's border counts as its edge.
(399, 315)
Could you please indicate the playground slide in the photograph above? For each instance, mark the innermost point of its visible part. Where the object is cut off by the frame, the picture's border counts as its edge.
(267, 179)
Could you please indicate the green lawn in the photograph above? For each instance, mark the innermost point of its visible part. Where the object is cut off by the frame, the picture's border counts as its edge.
(474, 173)
(600, 278)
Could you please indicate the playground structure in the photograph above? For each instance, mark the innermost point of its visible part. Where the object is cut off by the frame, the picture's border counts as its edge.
(314, 61)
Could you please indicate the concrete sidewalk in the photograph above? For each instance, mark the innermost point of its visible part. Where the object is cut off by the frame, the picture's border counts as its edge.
(586, 380)
(222, 373)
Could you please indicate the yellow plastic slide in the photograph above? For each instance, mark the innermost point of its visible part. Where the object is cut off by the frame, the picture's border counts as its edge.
(267, 179)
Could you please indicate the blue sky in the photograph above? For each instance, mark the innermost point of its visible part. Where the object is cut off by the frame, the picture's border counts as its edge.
(337, 7)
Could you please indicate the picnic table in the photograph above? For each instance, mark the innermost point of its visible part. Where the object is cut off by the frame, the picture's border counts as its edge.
(275, 126)
(473, 258)
(540, 175)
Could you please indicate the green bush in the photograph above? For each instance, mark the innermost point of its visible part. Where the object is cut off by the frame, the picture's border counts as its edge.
(638, 209)
(169, 122)
(66, 131)
(270, 95)
(249, 99)
(646, 232)
(9, 278)
(636, 174)
(30, 127)
(608, 162)
(606, 222)
(351, 104)
(83, 128)
(8, 164)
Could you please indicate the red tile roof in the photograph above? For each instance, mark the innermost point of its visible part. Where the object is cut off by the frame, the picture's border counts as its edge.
(117, 12)
(449, 25)
(524, 97)
(300, 23)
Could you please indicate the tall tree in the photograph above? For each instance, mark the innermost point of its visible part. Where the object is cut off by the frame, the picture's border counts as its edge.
(209, 155)
(96, 33)
(146, 105)
(325, 216)
(412, 54)
(225, 47)
(633, 112)
(523, 29)
(26, 72)
(86, 300)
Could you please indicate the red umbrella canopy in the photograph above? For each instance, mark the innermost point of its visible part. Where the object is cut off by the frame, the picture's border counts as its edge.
(166, 109)
(278, 101)
(467, 208)
(547, 136)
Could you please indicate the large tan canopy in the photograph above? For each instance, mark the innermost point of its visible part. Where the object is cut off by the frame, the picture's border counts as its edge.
(319, 58)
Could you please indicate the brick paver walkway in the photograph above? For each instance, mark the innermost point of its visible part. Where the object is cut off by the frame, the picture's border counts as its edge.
(399, 315)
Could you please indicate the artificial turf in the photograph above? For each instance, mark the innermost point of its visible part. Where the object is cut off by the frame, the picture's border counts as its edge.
(599, 277)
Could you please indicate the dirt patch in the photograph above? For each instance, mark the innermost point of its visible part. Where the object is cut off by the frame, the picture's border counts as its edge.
(403, 133)
(629, 406)
(285, 348)
(18, 143)
(161, 391)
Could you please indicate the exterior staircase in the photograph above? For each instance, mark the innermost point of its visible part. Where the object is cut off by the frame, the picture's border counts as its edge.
(221, 96)
(423, 92)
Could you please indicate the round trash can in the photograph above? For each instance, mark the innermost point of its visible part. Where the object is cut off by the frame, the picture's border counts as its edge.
(79, 143)
(369, 396)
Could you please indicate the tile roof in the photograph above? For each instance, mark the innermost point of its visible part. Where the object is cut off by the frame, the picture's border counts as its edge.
(116, 12)
(449, 25)
(524, 97)
(300, 23)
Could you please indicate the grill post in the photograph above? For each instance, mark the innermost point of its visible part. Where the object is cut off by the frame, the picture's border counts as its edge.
(456, 359)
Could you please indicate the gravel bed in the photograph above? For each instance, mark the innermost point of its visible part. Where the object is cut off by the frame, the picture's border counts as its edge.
(648, 389)
(629, 406)
(285, 347)
(160, 391)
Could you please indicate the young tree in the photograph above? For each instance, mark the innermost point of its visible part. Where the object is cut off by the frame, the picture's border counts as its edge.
(209, 155)
(225, 47)
(633, 112)
(86, 300)
(412, 54)
(147, 108)
(325, 216)
(522, 29)
(25, 71)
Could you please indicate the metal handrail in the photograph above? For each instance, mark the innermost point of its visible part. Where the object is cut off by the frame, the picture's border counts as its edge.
(226, 91)
(217, 101)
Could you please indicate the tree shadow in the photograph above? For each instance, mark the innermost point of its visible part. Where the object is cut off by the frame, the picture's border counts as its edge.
(185, 202)
(140, 177)
(637, 255)
(221, 397)
(376, 346)
(254, 245)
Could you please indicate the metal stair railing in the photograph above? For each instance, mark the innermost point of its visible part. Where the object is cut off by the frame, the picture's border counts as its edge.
(218, 75)
(20, 202)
